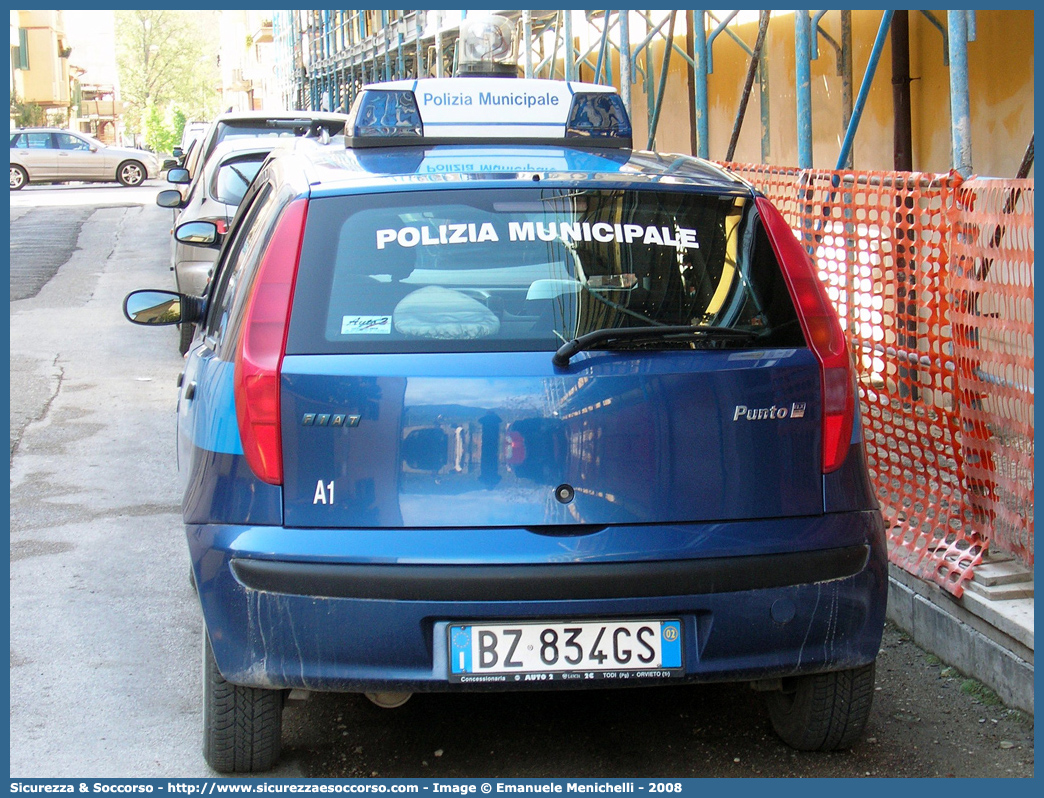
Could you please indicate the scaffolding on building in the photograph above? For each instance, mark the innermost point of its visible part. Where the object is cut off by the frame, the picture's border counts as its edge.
(325, 57)
(949, 429)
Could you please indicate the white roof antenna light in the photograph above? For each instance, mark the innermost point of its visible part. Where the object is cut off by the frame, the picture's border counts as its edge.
(487, 48)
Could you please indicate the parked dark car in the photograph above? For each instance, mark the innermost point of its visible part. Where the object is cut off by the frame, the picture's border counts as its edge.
(214, 198)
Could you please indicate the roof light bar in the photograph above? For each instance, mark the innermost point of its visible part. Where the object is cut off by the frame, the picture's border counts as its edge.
(598, 115)
(384, 114)
(488, 110)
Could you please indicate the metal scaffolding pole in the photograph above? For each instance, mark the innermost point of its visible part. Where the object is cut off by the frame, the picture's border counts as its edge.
(527, 34)
(439, 73)
(654, 122)
(864, 88)
(803, 80)
(699, 54)
(755, 59)
(570, 52)
(625, 61)
(960, 104)
(846, 75)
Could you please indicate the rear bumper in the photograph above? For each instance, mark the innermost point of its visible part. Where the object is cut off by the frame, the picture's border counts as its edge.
(572, 582)
(352, 621)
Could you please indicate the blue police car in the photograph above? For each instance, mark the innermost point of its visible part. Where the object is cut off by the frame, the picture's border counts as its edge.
(488, 405)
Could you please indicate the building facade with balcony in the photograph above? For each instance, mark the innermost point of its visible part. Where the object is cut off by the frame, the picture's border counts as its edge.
(40, 74)
(245, 58)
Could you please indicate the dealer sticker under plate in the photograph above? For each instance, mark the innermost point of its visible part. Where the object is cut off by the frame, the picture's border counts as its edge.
(565, 651)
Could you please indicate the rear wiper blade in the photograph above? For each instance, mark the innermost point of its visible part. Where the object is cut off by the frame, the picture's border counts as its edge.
(570, 348)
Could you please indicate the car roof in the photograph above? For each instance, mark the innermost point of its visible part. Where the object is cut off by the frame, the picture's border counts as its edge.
(441, 137)
(253, 116)
(48, 130)
(249, 144)
(332, 170)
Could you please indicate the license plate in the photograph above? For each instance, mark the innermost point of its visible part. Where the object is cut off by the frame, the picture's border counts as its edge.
(564, 651)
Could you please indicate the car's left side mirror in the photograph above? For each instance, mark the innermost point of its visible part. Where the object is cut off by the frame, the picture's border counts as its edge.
(178, 176)
(170, 198)
(199, 234)
(162, 308)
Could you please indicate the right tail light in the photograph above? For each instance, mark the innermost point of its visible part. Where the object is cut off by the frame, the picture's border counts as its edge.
(822, 332)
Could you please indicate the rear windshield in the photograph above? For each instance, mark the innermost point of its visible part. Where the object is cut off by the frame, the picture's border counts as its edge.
(233, 177)
(480, 270)
(253, 128)
(233, 129)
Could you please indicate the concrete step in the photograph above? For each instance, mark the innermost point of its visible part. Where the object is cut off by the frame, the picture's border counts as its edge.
(1005, 592)
(1013, 617)
(993, 573)
(992, 641)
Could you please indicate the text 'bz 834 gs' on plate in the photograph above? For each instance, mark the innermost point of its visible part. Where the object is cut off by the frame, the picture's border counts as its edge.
(565, 650)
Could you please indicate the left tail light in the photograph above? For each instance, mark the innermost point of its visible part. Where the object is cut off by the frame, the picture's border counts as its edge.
(822, 332)
(262, 344)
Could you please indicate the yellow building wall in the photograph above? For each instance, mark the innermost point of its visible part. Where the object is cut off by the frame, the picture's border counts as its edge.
(1000, 77)
(46, 82)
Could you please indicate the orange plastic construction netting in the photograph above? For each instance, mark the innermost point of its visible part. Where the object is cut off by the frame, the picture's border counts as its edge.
(932, 277)
(991, 255)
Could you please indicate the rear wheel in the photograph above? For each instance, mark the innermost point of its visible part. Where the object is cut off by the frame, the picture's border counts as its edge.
(241, 725)
(19, 177)
(824, 712)
(131, 173)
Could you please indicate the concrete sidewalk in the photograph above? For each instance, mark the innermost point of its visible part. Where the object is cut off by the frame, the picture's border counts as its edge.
(986, 634)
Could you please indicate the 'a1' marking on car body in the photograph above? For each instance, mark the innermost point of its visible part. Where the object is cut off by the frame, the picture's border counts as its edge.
(324, 494)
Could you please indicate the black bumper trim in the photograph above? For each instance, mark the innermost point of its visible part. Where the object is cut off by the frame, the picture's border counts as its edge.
(558, 582)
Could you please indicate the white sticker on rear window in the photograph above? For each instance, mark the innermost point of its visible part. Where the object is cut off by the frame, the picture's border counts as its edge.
(366, 325)
(601, 232)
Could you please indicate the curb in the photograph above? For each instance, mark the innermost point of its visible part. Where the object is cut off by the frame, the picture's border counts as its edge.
(1001, 657)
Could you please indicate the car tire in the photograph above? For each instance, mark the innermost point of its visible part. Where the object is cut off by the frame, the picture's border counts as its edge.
(188, 332)
(823, 712)
(131, 173)
(242, 726)
(19, 177)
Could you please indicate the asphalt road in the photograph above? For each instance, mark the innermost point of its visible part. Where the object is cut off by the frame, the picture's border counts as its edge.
(105, 630)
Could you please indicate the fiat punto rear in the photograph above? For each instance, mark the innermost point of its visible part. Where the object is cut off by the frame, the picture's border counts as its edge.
(531, 410)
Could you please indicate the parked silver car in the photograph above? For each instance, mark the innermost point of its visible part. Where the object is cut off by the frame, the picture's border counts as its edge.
(215, 197)
(46, 155)
(250, 124)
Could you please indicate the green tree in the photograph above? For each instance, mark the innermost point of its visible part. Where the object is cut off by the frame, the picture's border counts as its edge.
(27, 114)
(158, 137)
(167, 57)
(178, 120)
